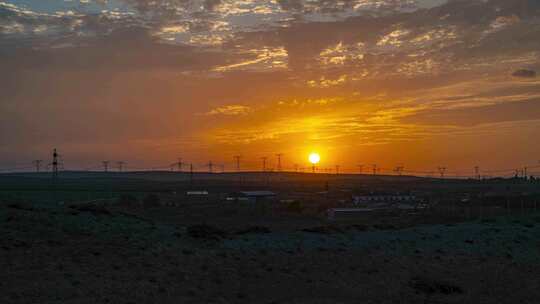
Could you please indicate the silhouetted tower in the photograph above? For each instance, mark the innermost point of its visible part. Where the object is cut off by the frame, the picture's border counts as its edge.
(55, 164)
(264, 163)
(120, 165)
(279, 155)
(337, 169)
(37, 163)
(237, 160)
(210, 166)
(442, 171)
(360, 168)
(477, 172)
(295, 167)
(191, 173)
(180, 164)
(399, 170)
(105, 165)
(375, 169)
(525, 174)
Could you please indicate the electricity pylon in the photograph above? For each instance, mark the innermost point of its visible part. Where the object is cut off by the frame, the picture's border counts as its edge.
(237, 160)
(279, 155)
(55, 164)
(264, 163)
(442, 171)
(37, 163)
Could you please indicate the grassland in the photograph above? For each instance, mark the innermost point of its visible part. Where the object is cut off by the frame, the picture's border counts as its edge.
(87, 242)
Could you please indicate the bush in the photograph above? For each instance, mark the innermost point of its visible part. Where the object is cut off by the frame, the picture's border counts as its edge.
(206, 232)
(295, 207)
(151, 200)
(127, 200)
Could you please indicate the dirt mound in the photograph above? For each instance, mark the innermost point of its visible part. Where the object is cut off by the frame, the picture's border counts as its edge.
(324, 230)
(206, 232)
(254, 230)
(94, 209)
(430, 286)
(21, 206)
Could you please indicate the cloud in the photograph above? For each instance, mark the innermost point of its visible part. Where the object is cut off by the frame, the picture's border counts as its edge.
(230, 110)
(364, 71)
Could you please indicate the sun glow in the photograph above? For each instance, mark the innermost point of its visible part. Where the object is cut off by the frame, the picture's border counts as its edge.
(314, 158)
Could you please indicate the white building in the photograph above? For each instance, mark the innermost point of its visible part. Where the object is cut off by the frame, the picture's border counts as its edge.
(385, 199)
(252, 196)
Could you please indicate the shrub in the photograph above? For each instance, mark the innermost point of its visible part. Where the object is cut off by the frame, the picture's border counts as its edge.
(151, 200)
(206, 232)
(295, 207)
(127, 200)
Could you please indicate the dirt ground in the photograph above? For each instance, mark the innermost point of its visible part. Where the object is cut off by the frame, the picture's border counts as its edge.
(93, 254)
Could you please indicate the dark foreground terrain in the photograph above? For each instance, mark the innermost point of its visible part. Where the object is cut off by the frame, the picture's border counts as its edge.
(136, 238)
(95, 254)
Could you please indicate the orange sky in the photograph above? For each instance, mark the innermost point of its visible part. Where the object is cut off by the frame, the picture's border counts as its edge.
(415, 83)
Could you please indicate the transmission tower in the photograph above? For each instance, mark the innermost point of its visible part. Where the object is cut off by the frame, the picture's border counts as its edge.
(105, 165)
(375, 169)
(120, 165)
(237, 160)
(477, 172)
(279, 155)
(442, 171)
(210, 166)
(180, 164)
(55, 164)
(337, 169)
(399, 170)
(37, 163)
(264, 159)
(360, 168)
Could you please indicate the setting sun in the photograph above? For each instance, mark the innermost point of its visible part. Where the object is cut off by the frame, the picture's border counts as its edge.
(314, 158)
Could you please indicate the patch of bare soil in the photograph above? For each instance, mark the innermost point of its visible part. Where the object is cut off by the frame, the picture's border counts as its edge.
(97, 256)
